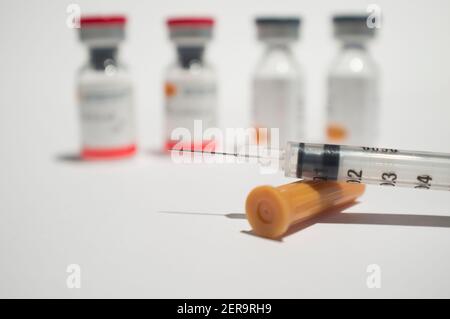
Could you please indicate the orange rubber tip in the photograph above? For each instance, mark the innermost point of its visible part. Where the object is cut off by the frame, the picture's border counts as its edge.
(271, 210)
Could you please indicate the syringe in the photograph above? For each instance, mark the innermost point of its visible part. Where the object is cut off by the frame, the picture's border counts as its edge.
(354, 164)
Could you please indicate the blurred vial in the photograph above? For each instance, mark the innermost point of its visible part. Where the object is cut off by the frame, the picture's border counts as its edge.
(105, 91)
(278, 87)
(190, 83)
(353, 85)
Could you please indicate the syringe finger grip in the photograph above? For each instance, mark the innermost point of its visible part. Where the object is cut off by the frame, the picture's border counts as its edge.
(271, 210)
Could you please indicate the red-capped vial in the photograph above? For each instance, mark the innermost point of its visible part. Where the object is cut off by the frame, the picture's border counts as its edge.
(105, 91)
(190, 85)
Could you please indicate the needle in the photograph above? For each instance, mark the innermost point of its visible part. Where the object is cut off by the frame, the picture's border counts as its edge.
(217, 153)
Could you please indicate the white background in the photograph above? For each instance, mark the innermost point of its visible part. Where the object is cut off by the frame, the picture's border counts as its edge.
(105, 216)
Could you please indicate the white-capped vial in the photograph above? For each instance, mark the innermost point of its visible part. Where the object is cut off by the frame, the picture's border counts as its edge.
(353, 84)
(105, 91)
(190, 83)
(278, 87)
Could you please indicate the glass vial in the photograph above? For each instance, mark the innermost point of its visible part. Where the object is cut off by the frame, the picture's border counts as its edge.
(278, 87)
(190, 85)
(353, 85)
(105, 91)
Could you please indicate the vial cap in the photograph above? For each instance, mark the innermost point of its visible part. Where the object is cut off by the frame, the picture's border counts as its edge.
(271, 210)
(352, 25)
(278, 28)
(190, 31)
(102, 31)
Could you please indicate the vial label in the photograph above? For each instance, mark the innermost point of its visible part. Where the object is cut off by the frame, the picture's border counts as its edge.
(107, 119)
(188, 100)
(278, 103)
(352, 110)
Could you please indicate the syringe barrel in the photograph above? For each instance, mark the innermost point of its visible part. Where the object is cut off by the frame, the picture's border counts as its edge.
(382, 166)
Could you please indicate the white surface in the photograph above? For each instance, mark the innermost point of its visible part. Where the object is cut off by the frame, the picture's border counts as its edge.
(105, 217)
